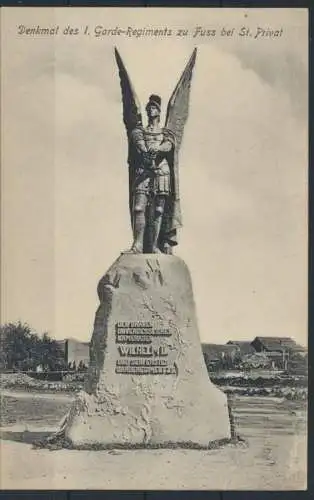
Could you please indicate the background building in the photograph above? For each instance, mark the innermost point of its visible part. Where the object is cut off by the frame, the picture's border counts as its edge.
(220, 356)
(245, 346)
(75, 352)
(281, 351)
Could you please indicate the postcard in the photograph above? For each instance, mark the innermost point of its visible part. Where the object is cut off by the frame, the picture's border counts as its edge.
(154, 199)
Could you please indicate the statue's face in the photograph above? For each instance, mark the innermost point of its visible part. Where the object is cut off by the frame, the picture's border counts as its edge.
(152, 111)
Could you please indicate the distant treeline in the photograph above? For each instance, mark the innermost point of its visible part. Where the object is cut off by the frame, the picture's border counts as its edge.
(24, 349)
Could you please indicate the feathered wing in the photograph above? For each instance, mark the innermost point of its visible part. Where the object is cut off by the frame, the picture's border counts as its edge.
(178, 106)
(131, 107)
(176, 117)
(131, 117)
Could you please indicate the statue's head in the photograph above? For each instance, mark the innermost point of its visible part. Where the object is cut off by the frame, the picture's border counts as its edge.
(153, 107)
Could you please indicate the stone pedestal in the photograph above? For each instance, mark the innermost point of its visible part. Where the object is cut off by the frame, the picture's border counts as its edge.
(147, 383)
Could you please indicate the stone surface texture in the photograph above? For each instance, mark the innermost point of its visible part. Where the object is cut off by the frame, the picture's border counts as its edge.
(180, 404)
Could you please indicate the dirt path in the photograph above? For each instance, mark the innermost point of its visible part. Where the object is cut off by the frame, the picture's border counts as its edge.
(273, 459)
(266, 464)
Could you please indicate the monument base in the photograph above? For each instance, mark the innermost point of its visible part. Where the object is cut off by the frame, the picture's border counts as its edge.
(147, 383)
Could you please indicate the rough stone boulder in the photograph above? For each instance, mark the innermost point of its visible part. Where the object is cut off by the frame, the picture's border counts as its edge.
(147, 382)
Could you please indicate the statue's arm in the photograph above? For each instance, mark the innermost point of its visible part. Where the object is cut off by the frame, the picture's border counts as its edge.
(165, 146)
(137, 138)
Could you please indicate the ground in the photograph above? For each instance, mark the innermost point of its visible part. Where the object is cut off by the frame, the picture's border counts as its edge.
(273, 456)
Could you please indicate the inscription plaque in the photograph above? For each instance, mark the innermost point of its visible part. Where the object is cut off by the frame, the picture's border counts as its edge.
(143, 348)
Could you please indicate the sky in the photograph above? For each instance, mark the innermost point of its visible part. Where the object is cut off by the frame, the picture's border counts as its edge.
(243, 165)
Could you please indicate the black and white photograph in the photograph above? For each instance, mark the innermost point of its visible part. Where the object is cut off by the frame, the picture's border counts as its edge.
(154, 240)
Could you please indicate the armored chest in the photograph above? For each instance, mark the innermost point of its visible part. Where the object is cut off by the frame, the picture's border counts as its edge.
(153, 138)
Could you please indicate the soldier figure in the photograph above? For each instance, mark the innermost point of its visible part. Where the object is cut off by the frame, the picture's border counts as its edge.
(154, 200)
(151, 183)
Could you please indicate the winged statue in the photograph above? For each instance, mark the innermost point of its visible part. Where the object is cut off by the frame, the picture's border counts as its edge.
(153, 156)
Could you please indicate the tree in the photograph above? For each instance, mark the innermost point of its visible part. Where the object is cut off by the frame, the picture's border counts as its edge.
(24, 349)
(50, 354)
(17, 342)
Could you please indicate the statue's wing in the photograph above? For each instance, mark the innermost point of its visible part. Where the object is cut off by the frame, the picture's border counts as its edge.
(131, 107)
(178, 106)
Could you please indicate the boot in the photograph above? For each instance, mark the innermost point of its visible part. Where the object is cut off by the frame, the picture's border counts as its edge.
(138, 232)
(156, 226)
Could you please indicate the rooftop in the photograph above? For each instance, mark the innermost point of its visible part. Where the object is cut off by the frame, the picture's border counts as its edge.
(216, 351)
(245, 346)
(279, 344)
